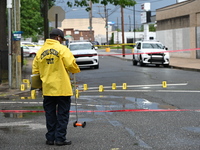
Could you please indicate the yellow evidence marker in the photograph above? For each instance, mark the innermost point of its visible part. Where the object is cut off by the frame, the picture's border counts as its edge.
(124, 86)
(114, 86)
(164, 84)
(101, 88)
(85, 87)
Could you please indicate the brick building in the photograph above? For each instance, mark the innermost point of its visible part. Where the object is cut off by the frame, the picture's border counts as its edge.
(79, 29)
(83, 35)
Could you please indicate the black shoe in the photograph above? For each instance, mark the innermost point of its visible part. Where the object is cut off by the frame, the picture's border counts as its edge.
(50, 142)
(66, 142)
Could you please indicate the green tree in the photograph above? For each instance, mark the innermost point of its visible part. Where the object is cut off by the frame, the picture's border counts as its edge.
(152, 28)
(31, 17)
(112, 39)
(81, 3)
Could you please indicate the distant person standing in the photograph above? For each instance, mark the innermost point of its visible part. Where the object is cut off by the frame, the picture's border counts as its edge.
(54, 62)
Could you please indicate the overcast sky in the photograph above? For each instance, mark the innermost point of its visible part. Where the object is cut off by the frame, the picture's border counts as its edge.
(114, 12)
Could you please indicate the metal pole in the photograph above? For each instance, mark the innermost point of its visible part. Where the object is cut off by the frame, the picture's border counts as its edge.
(9, 6)
(117, 33)
(106, 18)
(90, 16)
(18, 47)
(122, 21)
(56, 20)
(129, 23)
(134, 23)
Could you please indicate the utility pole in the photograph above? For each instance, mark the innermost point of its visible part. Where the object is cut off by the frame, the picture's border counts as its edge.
(90, 16)
(122, 22)
(106, 21)
(3, 42)
(129, 23)
(134, 23)
(9, 7)
(16, 72)
(117, 32)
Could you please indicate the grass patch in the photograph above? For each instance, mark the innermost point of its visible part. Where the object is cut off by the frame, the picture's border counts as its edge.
(25, 61)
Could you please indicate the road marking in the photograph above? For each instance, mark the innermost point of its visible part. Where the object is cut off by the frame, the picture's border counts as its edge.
(103, 111)
(29, 103)
(21, 102)
(131, 86)
(164, 91)
(140, 142)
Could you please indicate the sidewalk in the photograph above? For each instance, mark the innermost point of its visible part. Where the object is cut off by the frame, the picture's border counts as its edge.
(180, 63)
(26, 72)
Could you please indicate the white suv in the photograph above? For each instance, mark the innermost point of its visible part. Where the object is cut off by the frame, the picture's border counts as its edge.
(85, 54)
(150, 52)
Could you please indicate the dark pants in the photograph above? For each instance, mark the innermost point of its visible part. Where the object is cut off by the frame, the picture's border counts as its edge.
(57, 116)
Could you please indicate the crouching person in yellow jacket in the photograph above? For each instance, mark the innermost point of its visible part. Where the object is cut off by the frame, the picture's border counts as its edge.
(54, 62)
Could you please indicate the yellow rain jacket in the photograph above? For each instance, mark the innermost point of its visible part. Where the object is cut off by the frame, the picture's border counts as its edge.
(53, 62)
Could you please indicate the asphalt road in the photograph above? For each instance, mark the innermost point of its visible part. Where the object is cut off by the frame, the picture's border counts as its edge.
(147, 114)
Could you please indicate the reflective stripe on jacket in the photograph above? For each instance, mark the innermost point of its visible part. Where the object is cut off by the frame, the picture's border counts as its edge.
(54, 62)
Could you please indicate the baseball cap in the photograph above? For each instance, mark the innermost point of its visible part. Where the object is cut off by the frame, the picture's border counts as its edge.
(58, 32)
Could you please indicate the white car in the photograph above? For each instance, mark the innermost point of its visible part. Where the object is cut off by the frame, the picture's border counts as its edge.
(150, 52)
(26, 51)
(32, 48)
(85, 54)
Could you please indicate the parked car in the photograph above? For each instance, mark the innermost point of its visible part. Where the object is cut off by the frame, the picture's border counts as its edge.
(26, 51)
(96, 44)
(32, 48)
(150, 52)
(85, 54)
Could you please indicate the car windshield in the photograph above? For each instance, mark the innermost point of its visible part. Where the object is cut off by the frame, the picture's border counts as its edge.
(74, 47)
(28, 44)
(25, 47)
(152, 46)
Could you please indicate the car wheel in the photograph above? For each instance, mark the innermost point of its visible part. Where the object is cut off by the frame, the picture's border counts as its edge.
(141, 62)
(166, 65)
(157, 65)
(32, 55)
(134, 61)
(96, 67)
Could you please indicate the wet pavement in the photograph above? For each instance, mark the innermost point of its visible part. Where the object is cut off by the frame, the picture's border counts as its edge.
(22, 122)
(180, 63)
(105, 129)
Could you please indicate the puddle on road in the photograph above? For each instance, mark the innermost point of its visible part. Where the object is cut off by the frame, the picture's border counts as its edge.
(21, 115)
(22, 95)
(18, 115)
(95, 103)
(120, 102)
(192, 129)
(14, 129)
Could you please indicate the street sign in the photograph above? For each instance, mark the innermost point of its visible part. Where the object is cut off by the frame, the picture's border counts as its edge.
(56, 11)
